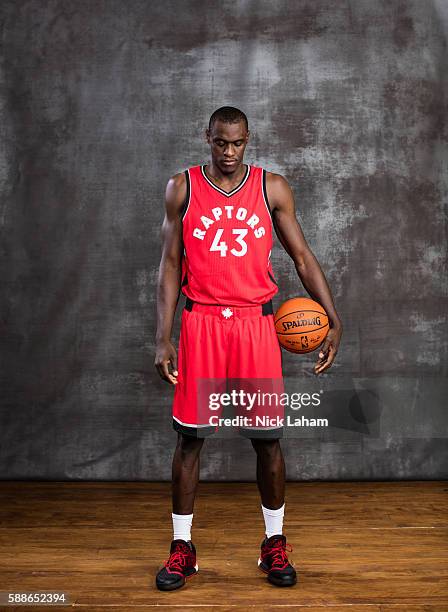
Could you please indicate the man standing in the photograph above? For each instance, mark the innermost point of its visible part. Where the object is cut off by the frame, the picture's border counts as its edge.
(217, 240)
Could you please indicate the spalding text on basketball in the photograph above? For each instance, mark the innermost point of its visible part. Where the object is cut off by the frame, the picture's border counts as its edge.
(300, 323)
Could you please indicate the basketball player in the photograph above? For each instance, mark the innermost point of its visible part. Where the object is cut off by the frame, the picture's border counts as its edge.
(217, 240)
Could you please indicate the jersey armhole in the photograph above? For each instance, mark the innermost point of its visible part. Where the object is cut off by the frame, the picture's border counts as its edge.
(187, 200)
(265, 193)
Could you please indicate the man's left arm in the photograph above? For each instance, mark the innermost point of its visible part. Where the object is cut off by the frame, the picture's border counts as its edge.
(289, 232)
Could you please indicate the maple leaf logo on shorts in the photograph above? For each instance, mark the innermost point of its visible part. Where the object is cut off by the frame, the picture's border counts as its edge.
(227, 313)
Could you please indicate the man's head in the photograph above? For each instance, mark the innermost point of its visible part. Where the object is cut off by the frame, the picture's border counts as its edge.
(227, 135)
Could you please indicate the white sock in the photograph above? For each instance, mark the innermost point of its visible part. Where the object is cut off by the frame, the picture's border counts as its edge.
(273, 520)
(182, 526)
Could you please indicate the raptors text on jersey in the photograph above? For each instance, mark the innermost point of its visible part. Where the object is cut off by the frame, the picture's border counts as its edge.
(227, 240)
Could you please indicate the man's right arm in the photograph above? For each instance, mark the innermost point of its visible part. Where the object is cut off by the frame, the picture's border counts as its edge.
(169, 279)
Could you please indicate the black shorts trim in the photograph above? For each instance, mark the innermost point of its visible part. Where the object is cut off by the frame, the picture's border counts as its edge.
(262, 434)
(193, 432)
(205, 432)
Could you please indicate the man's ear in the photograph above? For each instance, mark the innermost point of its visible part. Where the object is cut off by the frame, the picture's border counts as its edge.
(247, 135)
(207, 135)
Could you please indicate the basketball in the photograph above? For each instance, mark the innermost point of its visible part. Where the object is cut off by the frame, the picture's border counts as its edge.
(301, 325)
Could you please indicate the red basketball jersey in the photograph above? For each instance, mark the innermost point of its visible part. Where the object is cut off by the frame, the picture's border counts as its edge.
(227, 240)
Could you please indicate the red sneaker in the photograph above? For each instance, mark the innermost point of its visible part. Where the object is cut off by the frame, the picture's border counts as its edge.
(180, 566)
(274, 561)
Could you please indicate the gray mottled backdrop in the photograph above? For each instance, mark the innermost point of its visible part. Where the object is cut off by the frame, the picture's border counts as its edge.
(102, 101)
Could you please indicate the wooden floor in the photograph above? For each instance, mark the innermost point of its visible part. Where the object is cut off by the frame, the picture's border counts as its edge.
(358, 547)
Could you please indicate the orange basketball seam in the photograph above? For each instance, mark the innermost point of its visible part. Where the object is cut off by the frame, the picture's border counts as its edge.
(296, 333)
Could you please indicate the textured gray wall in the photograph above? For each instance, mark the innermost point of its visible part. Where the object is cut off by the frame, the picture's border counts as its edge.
(101, 102)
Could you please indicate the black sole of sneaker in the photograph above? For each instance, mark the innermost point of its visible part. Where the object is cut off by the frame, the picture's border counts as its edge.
(279, 583)
(179, 586)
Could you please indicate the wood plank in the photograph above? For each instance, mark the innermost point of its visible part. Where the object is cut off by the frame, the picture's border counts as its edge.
(374, 504)
(357, 546)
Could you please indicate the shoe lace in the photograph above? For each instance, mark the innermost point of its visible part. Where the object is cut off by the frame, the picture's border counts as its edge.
(278, 552)
(177, 559)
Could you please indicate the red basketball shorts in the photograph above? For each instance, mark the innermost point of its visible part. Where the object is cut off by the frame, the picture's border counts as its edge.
(229, 367)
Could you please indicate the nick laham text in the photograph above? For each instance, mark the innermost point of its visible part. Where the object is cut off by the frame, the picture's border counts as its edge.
(266, 421)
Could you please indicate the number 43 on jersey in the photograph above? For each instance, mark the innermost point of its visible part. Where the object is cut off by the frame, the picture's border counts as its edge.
(221, 245)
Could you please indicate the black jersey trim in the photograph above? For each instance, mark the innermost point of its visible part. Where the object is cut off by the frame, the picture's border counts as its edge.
(265, 193)
(187, 200)
(229, 193)
(272, 278)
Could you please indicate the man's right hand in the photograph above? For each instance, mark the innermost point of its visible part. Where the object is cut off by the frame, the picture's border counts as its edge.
(165, 355)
